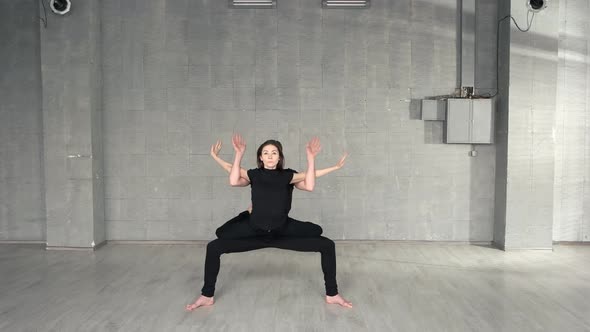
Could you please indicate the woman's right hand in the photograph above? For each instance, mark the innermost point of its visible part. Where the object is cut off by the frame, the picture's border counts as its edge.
(238, 143)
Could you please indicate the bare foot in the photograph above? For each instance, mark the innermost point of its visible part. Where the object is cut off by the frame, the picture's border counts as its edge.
(200, 302)
(337, 299)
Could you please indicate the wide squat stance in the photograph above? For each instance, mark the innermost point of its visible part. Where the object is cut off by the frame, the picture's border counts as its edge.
(268, 225)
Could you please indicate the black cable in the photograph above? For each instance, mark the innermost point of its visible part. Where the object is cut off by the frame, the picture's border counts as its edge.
(529, 25)
(45, 12)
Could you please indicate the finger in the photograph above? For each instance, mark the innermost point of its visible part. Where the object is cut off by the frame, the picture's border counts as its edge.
(318, 144)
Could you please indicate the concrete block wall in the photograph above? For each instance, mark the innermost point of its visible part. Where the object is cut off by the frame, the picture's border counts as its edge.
(72, 127)
(501, 125)
(22, 205)
(571, 214)
(179, 75)
(530, 131)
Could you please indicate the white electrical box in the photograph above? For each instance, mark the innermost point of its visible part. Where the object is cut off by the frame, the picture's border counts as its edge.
(470, 121)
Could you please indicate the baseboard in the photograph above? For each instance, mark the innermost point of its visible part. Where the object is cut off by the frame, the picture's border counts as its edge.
(498, 245)
(159, 242)
(56, 248)
(22, 242)
(417, 242)
(572, 243)
(420, 242)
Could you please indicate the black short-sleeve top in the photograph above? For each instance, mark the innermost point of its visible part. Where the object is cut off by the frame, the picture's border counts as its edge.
(272, 193)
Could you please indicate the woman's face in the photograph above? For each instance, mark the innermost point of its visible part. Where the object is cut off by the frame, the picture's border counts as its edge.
(270, 156)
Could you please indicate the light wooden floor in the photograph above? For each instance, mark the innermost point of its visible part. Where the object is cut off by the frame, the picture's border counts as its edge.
(394, 287)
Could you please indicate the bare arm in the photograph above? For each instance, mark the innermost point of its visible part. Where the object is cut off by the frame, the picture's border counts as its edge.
(308, 183)
(215, 148)
(321, 172)
(235, 179)
(298, 178)
(339, 164)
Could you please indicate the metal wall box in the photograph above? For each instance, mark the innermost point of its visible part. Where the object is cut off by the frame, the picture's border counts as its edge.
(434, 109)
(470, 121)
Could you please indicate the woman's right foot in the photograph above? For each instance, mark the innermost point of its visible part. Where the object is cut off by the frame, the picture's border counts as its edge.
(200, 302)
(337, 299)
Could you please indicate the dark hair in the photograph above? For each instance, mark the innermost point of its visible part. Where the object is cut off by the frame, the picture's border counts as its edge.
(279, 147)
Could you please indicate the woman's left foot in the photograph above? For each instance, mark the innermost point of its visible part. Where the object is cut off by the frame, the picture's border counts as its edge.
(337, 299)
(200, 302)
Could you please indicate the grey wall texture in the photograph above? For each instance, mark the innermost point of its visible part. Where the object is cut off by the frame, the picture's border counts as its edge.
(22, 206)
(178, 75)
(501, 124)
(72, 107)
(531, 118)
(571, 213)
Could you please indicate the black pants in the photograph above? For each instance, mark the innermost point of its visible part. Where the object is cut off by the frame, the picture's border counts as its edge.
(320, 244)
(237, 235)
(240, 228)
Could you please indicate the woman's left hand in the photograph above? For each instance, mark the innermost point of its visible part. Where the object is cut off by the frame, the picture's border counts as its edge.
(215, 148)
(341, 161)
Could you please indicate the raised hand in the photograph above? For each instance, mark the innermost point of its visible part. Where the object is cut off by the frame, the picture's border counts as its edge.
(238, 143)
(313, 147)
(215, 148)
(341, 161)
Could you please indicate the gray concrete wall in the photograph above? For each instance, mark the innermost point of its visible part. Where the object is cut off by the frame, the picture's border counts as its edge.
(180, 74)
(571, 212)
(72, 123)
(22, 207)
(531, 119)
(502, 108)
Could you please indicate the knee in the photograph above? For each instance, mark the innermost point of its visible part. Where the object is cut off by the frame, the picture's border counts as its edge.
(312, 230)
(221, 234)
(318, 230)
(328, 245)
(213, 248)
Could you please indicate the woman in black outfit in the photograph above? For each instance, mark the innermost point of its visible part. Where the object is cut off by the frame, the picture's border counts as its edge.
(295, 227)
(268, 225)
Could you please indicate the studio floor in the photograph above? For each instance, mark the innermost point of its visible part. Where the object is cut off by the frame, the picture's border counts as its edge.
(394, 286)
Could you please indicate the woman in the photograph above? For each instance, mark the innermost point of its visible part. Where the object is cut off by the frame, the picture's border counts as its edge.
(268, 224)
(293, 227)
